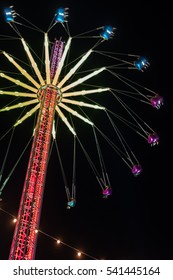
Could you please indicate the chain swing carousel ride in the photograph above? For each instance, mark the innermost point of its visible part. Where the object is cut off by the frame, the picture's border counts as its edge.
(57, 90)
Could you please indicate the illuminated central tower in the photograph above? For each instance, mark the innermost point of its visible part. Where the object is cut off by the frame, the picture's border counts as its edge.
(25, 235)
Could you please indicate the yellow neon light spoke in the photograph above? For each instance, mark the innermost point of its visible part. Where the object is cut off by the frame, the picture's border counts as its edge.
(80, 103)
(73, 112)
(33, 63)
(17, 82)
(16, 93)
(47, 62)
(73, 70)
(27, 115)
(23, 71)
(83, 92)
(19, 105)
(53, 130)
(64, 119)
(61, 63)
(81, 80)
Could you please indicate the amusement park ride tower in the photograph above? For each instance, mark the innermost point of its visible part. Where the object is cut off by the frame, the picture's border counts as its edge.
(25, 235)
(50, 96)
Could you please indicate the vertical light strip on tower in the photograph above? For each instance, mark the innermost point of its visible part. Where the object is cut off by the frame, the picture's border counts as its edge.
(61, 64)
(47, 61)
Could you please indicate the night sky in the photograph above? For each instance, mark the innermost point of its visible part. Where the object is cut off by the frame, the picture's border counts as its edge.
(135, 221)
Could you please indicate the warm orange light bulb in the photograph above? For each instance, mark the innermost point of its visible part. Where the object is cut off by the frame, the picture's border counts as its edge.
(79, 254)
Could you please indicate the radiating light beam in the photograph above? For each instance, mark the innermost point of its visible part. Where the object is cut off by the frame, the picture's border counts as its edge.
(53, 130)
(80, 103)
(81, 80)
(33, 63)
(47, 61)
(61, 63)
(27, 115)
(23, 71)
(74, 69)
(19, 105)
(84, 92)
(17, 82)
(73, 112)
(16, 93)
(64, 119)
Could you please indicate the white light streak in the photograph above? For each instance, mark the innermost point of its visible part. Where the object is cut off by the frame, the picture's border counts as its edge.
(23, 71)
(33, 63)
(74, 69)
(47, 61)
(81, 80)
(80, 103)
(84, 92)
(75, 113)
(17, 82)
(61, 63)
(16, 93)
(64, 119)
(27, 115)
(19, 105)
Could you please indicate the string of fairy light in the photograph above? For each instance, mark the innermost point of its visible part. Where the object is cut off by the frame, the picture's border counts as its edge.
(79, 253)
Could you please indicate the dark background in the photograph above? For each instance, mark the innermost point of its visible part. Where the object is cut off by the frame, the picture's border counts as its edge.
(136, 221)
